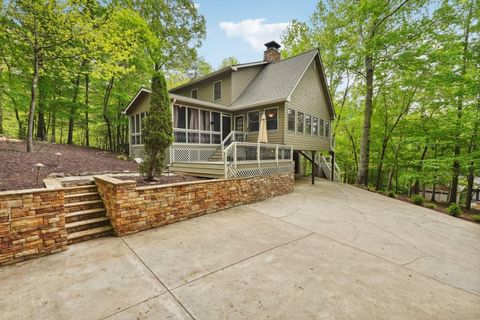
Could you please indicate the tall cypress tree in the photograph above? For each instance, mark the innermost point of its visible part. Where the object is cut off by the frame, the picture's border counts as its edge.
(158, 132)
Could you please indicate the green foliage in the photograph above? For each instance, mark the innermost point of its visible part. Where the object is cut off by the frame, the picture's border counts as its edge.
(430, 205)
(391, 194)
(158, 132)
(230, 61)
(454, 210)
(476, 217)
(417, 199)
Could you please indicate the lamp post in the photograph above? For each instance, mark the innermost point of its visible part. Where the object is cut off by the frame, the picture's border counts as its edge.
(38, 166)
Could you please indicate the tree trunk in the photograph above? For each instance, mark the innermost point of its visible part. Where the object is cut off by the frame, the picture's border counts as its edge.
(53, 132)
(456, 153)
(433, 199)
(470, 177)
(362, 177)
(33, 96)
(390, 179)
(106, 98)
(41, 128)
(87, 92)
(73, 107)
(21, 129)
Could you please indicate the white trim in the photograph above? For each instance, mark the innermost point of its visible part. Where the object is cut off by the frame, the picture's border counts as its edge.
(221, 87)
(245, 65)
(135, 98)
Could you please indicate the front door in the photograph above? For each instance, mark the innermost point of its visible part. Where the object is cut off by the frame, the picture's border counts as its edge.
(226, 125)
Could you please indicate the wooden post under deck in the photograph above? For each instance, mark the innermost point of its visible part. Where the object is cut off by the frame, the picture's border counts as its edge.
(332, 172)
(313, 167)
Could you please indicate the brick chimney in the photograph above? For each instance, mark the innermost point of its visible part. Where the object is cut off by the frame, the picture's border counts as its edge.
(272, 54)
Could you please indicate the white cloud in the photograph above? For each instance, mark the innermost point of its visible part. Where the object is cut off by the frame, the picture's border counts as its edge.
(196, 5)
(254, 31)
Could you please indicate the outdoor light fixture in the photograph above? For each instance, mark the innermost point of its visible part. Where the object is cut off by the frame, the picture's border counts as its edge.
(38, 166)
(270, 114)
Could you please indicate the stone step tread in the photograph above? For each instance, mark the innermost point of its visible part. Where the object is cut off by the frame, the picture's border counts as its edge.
(76, 195)
(75, 204)
(85, 186)
(82, 212)
(89, 232)
(84, 222)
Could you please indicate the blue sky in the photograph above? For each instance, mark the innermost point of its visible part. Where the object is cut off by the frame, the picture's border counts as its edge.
(239, 28)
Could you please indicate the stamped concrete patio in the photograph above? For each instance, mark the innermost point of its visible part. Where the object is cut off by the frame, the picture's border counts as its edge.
(328, 251)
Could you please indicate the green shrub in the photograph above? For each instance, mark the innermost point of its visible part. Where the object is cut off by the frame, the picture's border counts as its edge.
(454, 210)
(476, 217)
(417, 199)
(430, 205)
(391, 194)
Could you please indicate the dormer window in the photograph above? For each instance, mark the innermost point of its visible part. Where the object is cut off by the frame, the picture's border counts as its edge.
(217, 90)
(194, 93)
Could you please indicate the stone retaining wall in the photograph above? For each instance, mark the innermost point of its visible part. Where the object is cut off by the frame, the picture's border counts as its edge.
(32, 224)
(132, 209)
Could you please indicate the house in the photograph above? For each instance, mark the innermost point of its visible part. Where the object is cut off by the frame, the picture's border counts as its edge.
(216, 118)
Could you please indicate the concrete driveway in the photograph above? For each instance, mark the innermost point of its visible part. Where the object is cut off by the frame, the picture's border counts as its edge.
(328, 251)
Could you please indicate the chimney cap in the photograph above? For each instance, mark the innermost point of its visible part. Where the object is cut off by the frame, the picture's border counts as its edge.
(272, 44)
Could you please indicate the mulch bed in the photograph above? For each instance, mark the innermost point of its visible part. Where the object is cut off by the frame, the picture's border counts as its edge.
(17, 171)
(159, 180)
(442, 208)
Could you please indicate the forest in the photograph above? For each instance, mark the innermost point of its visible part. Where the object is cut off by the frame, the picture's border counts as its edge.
(404, 76)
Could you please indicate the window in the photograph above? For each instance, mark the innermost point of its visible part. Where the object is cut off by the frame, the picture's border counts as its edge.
(136, 122)
(217, 90)
(315, 126)
(272, 118)
(253, 120)
(239, 123)
(308, 124)
(321, 129)
(291, 120)
(194, 93)
(327, 129)
(300, 121)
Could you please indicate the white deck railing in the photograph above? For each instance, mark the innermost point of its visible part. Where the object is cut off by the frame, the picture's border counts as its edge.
(259, 158)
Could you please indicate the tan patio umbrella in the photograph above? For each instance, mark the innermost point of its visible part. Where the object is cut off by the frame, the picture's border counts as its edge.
(262, 131)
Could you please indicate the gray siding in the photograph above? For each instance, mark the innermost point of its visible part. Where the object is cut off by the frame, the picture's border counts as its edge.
(308, 97)
(205, 89)
(242, 78)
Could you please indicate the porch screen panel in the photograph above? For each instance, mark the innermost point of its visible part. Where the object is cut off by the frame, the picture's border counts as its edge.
(180, 122)
(205, 126)
(193, 122)
(215, 121)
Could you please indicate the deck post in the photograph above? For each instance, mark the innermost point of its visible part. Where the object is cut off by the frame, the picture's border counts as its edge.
(258, 154)
(235, 155)
(332, 171)
(276, 154)
(313, 167)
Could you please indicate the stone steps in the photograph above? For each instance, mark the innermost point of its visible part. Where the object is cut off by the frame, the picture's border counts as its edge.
(85, 214)
(89, 234)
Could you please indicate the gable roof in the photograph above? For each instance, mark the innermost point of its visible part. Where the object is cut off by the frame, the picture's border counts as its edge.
(274, 83)
(275, 80)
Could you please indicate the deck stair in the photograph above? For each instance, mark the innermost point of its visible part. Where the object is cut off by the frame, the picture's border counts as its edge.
(85, 214)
